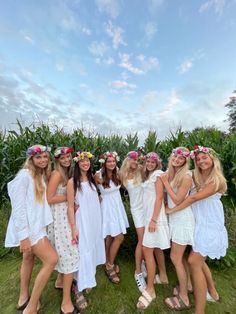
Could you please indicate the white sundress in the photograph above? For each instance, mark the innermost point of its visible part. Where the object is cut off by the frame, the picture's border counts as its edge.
(161, 237)
(91, 243)
(210, 235)
(136, 203)
(114, 217)
(59, 234)
(181, 223)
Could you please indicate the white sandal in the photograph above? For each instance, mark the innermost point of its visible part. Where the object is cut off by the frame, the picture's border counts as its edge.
(157, 280)
(145, 299)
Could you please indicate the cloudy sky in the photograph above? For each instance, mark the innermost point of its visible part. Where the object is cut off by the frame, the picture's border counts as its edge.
(116, 65)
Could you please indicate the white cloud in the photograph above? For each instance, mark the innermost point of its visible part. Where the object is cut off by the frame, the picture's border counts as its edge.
(185, 66)
(109, 61)
(86, 31)
(172, 101)
(217, 5)
(110, 7)
(147, 64)
(116, 34)
(150, 30)
(122, 84)
(126, 64)
(98, 48)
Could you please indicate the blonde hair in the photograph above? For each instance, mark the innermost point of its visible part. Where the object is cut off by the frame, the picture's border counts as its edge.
(215, 177)
(37, 175)
(65, 173)
(124, 170)
(175, 178)
(146, 173)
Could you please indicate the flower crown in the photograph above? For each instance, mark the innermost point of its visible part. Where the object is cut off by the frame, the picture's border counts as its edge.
(152, 156)
(180, 152)
(82, 156)
(37, 149)
(134, 155)
(62, 150)
(103, 157)
(199, 149)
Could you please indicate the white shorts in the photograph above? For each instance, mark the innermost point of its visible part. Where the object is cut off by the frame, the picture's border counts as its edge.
(138, 218)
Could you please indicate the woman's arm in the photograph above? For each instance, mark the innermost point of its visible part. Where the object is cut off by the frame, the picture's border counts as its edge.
(207, 191)
(53, 183)
(178, 196)
(71, 209)
(157, 205)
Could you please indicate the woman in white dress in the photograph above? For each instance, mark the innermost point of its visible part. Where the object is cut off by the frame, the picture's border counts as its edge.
(177, 182)
(156, 234)
(59, 232)
(30, 216)
(81, 189)
(114, 218)
(210, 235)
(131, 178)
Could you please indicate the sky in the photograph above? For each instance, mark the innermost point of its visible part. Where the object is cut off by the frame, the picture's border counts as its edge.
(117, 66)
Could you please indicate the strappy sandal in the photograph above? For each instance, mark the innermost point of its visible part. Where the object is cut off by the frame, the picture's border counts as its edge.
(112, 274)
(80, 301)
(176, 306)
(145, 300)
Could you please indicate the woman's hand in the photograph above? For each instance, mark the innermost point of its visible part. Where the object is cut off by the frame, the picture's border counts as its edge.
(75, 235)
(169, 210)
(164, 177)
(25, 246)
(152, 226)
(76, 206)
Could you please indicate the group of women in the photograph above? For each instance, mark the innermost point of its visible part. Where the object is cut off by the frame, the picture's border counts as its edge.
(64, 216)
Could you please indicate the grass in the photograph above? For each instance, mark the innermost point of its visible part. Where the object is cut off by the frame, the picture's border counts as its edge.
(107, 298)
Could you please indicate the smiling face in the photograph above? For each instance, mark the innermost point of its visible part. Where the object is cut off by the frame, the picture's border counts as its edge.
(84, 164)
(65, 160)
(151, 164)
(204, 161)
(133, 163)
(178, 161)
(41, 160)
(110, 163)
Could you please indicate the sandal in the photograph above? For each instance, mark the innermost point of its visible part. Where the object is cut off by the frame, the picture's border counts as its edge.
(157, 280)
(209, 298)
(117, 268)
(80, 301)
(23, 306)
(112, 274)
(176, 290)
(145, 300)
(176, 303)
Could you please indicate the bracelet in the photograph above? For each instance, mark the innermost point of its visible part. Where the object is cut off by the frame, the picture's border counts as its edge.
(153, 220)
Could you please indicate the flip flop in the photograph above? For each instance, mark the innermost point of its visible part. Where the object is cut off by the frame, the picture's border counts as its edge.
(209, 298)
(23, 306)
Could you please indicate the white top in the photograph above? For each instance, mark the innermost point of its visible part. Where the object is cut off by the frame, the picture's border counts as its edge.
(136, 202)
(28, 217)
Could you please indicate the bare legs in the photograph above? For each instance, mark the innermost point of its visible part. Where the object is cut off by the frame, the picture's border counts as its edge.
(210, 283)
(151, 269)
(139, 250)
(45, 252)
(160, 257)
(67, 305)
(25, 276)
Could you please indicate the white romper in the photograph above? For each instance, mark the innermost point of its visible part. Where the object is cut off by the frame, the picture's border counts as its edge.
(59, 234)
(114, 217)
(136, 202)
(28, 218)
(161, 237)
(91, 243)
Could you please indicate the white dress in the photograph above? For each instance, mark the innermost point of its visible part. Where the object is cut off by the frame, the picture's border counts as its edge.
(28, 218)
(136, 203)
(161, 237)
(114, 218)
(210, 235)
(181, 223)
(91, 243)
(59, 234)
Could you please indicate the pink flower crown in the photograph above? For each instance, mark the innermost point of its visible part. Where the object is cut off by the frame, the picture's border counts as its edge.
(62, 150)
(180, 152)
(134, 155)
(103, 157)
(152, 156)
(37, 149)
(82, 155)
(199, 149)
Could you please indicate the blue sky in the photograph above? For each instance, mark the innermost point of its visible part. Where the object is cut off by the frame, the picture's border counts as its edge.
(116, 65)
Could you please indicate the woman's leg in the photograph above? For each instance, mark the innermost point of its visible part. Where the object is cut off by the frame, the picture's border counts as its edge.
(196, 262)
(46, 253)
(151, 269)
(139, 250)
(189, 281)
(59, 281)
(67, 305)
(210, 283)
(25, 276)
(160, 257)
(114, 248)
(108, 242)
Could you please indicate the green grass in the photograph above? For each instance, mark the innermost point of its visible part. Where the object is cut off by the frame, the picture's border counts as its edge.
(107, 298)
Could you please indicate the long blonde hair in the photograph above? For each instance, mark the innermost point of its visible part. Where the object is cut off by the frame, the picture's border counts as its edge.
(37, 175)
(124, 171)
(65, 173)
(216, 176)
(145, 172)
(175, 178)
